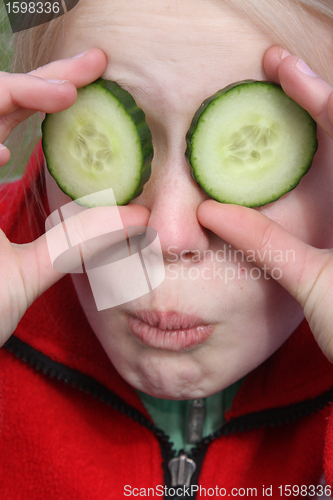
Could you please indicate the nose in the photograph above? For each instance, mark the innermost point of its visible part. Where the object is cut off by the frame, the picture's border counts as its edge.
(173, 196)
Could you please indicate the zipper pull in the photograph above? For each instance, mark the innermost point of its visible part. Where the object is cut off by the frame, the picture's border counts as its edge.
(181, 470)
(196, 420)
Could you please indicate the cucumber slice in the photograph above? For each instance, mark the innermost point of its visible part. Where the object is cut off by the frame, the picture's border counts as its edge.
(250, 143)
(100, 142)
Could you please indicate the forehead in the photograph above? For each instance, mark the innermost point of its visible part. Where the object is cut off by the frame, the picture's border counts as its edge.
(162, 44)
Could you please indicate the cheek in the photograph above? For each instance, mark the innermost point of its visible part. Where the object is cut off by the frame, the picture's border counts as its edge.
(307, 211)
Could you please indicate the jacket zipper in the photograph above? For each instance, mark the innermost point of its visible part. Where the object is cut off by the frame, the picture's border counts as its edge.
(181, 469)
(185, 468)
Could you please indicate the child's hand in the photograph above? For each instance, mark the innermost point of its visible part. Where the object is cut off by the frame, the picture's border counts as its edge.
(26, 270)
(309, 278)
(22, 95)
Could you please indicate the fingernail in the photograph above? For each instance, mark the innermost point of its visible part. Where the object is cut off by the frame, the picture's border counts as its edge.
(304, 68)
(56, 81)
(81, 54)
(2, 147)
(283, 53)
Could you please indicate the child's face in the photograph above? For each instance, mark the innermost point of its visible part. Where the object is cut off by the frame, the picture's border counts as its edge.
(171, 55)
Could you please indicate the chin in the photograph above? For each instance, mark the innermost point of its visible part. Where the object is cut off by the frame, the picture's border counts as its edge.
(176, 376)
(176, 392)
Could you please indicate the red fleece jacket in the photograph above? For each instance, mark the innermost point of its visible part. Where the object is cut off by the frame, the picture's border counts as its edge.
(72, 428)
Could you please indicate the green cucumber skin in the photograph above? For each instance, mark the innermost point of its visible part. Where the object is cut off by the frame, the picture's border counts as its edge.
(137, 116)
(134, 111)
(193, 127)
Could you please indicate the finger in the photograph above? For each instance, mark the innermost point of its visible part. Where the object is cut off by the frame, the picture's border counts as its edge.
(293, 263)
(302, 85)
(78, 70)
(33, 93)
(46, 89)
(37, 271)
(308, 89)
(4, 155)
(271, 62)
(22, 95)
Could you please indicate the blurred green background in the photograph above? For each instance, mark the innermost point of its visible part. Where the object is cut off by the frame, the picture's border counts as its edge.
(19, 142)
(6, 47)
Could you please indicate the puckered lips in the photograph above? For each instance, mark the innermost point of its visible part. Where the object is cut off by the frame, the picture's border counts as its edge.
(171, 331)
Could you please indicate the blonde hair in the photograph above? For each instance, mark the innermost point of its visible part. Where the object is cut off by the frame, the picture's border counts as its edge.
(304, 27)
(34, 46)
(291, 21)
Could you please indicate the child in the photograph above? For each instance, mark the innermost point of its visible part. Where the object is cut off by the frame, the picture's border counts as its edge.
(249, 357)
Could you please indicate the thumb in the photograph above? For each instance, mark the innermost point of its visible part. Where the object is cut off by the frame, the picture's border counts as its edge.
(300, 268)
(76, 240)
